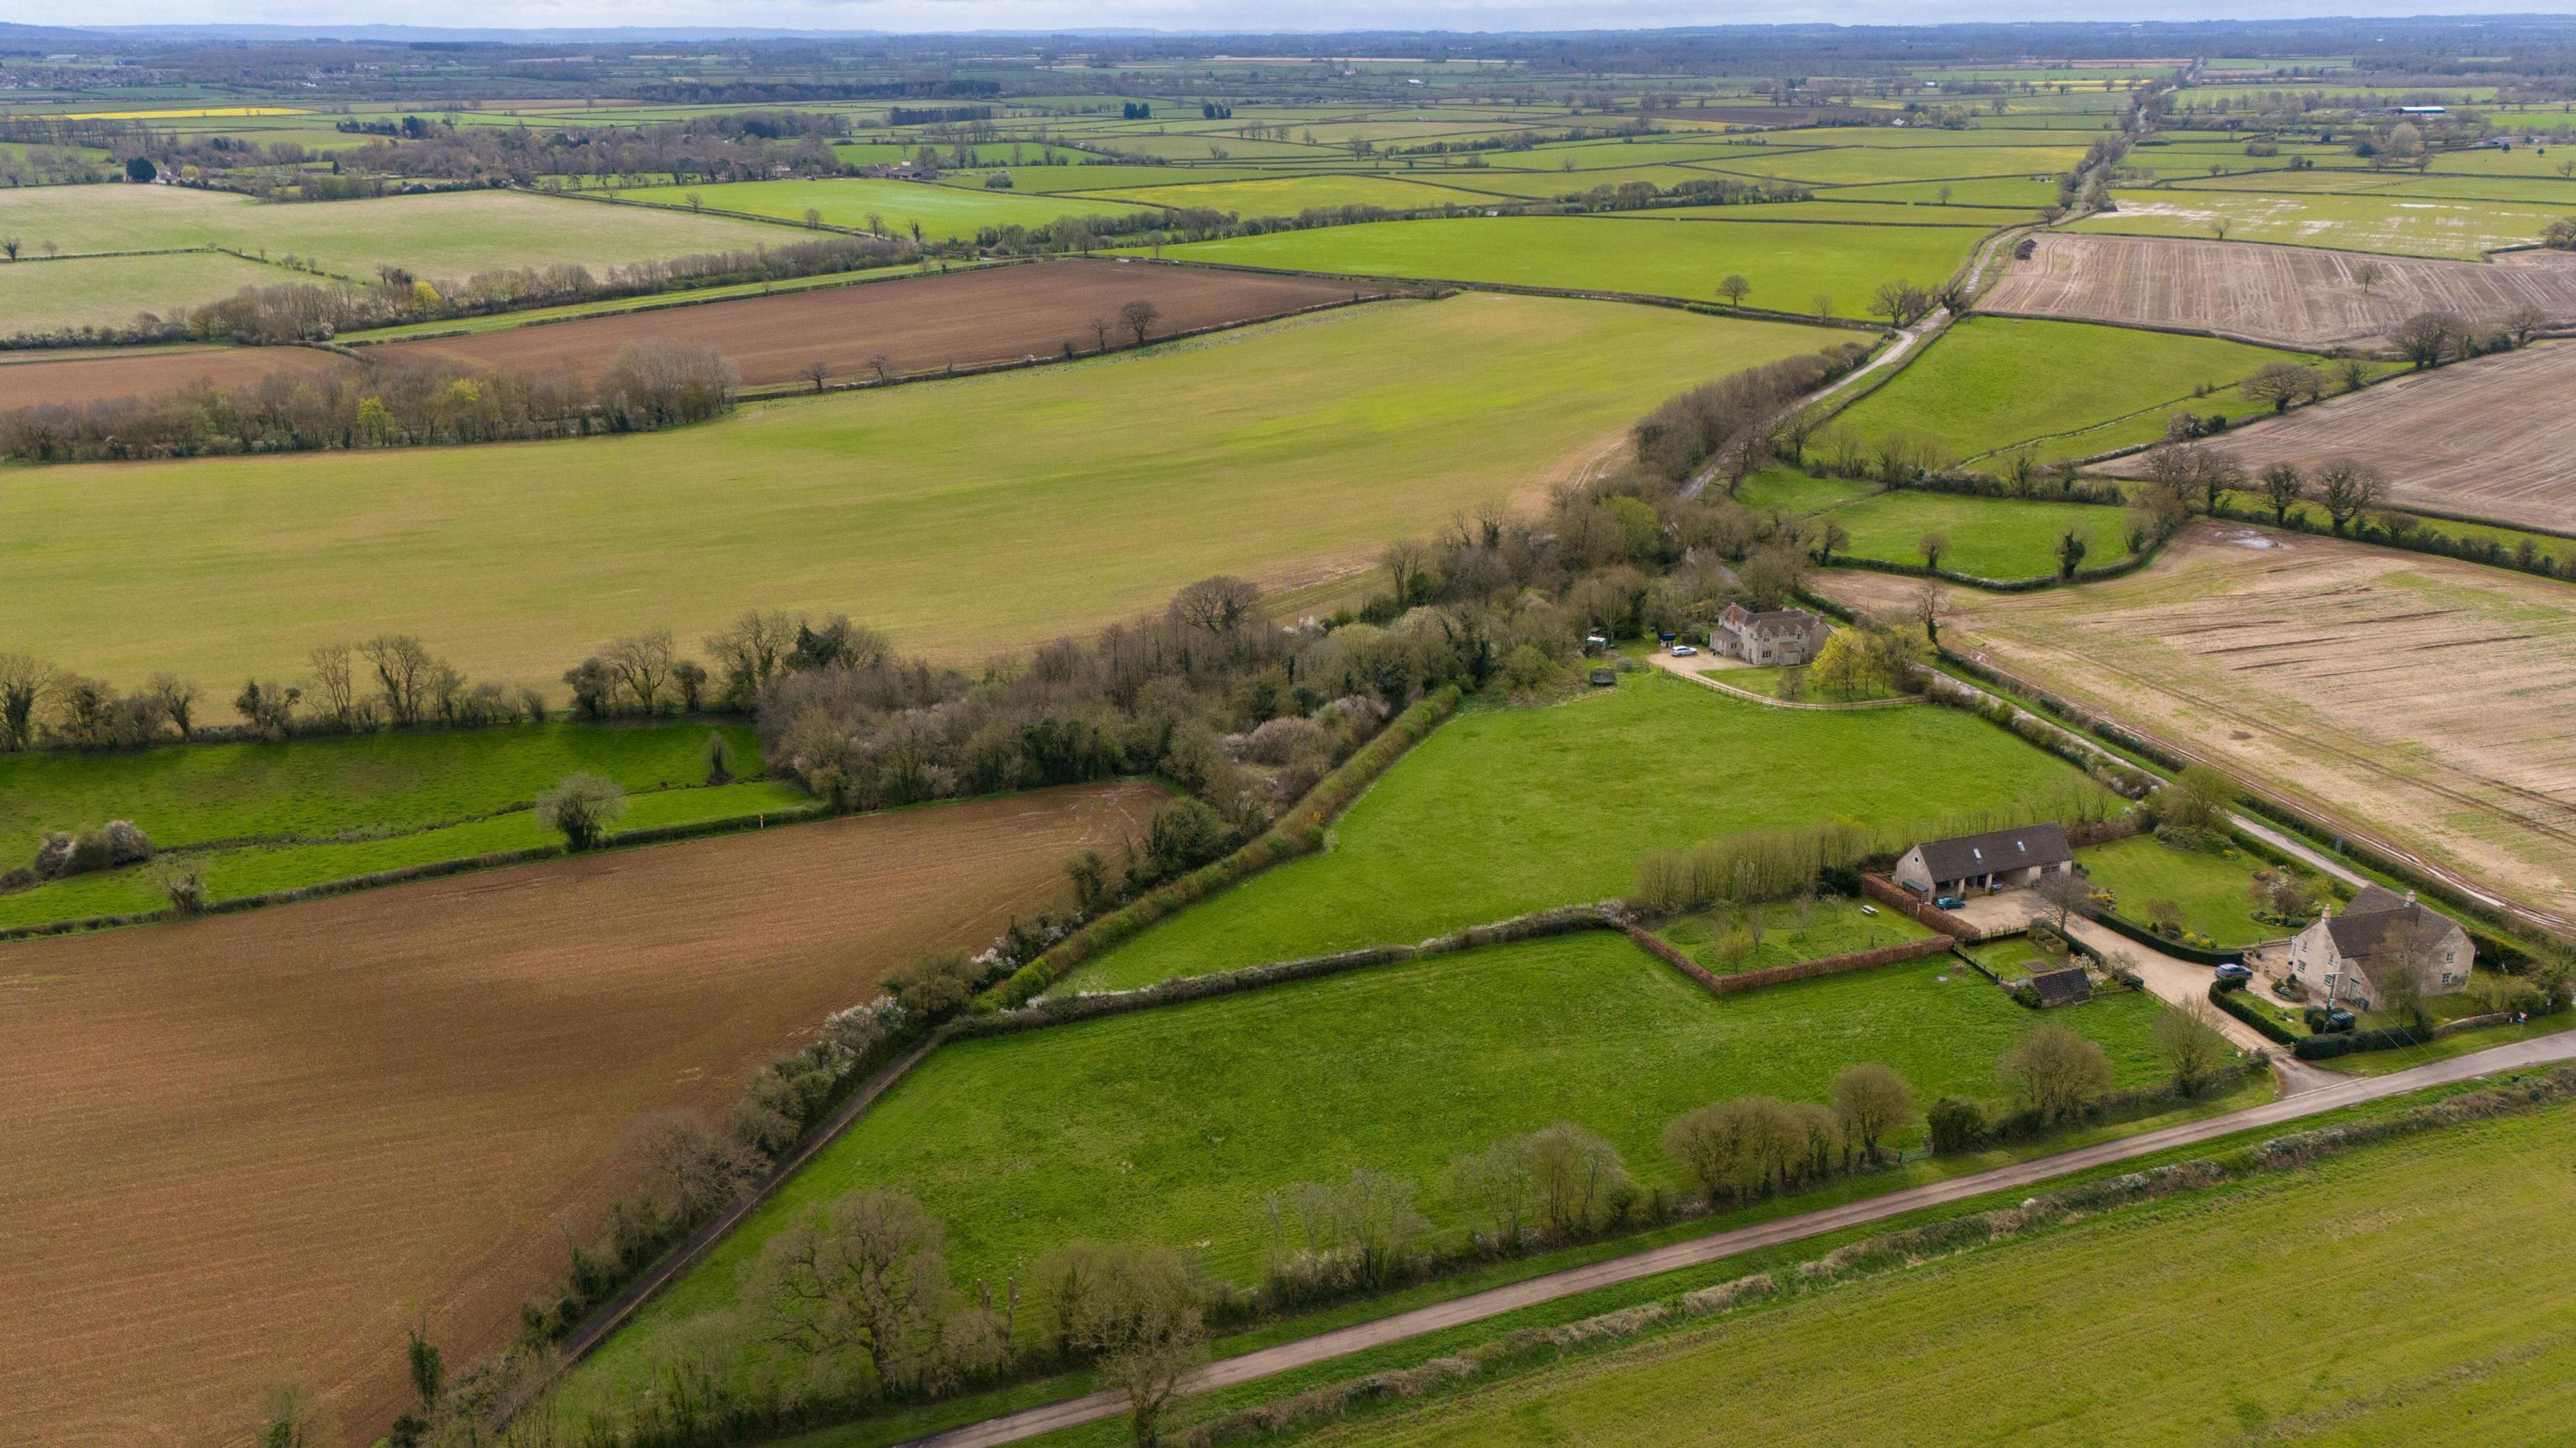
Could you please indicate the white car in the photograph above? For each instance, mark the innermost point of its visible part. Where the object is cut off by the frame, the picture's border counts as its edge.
(1684, 651)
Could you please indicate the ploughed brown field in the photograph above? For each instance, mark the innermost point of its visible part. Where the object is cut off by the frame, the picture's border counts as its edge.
(97, 376)
(994, 314)
(2414, 698)
(2487, 438)
(249, 1149)
(2292, 296)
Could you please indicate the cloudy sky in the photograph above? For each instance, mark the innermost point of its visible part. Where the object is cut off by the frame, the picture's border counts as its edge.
(1203, 15)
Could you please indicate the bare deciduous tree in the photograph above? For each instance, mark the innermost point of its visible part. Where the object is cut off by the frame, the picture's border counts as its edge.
(2284, 486)
(1872, 1102)
(2282, 383)
(26, 683)
(867, 1274)
(403, 667)
(2055, 1072)
(2345, 489)
(642, 664)
(2192, 1045)
(1139, 317)
(2426, 338)
(2065, 895)
(335, 684)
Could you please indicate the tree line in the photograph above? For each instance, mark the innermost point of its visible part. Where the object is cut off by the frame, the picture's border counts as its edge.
(645, 387)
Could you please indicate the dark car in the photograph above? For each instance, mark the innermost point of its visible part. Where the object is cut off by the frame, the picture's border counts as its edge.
(1950, 902)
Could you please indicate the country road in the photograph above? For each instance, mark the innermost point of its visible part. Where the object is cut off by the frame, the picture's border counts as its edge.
(1341, 1342)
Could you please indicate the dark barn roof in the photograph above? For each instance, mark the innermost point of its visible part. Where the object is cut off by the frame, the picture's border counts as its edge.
(2013, 849)
(2062, 987)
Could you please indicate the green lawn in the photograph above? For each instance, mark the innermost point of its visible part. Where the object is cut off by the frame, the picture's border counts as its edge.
(2012, 958)
(945, 212)
(2065, 389)
(1288, 195)
(2210, 889)
(1505, 811)
(2351, 1303)
(966, 516)
(107, 291)
(1171, 1125)
(1766, 682)
(1788, 263)
(1792, 931)
(258, 869)
(448, 235)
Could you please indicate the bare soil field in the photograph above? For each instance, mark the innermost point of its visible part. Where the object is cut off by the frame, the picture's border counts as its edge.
(2413, 698)
(2488, 438)
(2292, 296)
(252, 1148)
(36, 379)
(922, 323)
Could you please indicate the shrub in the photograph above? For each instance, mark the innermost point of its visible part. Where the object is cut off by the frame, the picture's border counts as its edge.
(583, 807)
(1956, 1124)
(103, 847)
(936, 985)
(182, 883)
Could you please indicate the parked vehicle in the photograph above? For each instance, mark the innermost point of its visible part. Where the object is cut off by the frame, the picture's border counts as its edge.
(2235, 975)
(1950, 902)
(1684, 651)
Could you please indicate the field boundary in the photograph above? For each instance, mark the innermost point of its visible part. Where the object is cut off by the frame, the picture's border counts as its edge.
(1796, 970)
(1578, 294)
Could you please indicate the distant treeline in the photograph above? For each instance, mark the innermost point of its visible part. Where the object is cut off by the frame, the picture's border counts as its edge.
(648, 385)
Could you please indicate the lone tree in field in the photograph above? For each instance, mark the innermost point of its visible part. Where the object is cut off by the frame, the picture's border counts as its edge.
(1139, 317)
(1901, 302)
(1733, 289)
(1872, 1101)
(882, 365)
(2282, 383)
(2428, 337)
(1933, 546)
(2071, 548)
(2345, 489)
(583, 807)
(817, 371)
(2055, 1072)
(2193, 1048)
(2284, 486)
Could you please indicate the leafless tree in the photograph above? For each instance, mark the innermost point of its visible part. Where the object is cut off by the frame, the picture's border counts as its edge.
(1574, 1177)
(2065, 895)
(1138, 317)
(2526, 322)
(335, 683)
(1101, 327)
(1931, 605)
(2282, 383)
(1221, 605)
(1408, 563)
(1495, 1183)
(26, 684)
(2369, 273)
(2284, 486)
(403, 667)
(2345, 488)
(750, 652)
(176, 698)
(1146, 1323)
(2428, 337)
(1734, 289)
(2192, 1045)
(642, 664)
(818, 372)
(882, 365)
(867, 1275)
(1933, 546)
(2055, 1071)
(1872, 1101)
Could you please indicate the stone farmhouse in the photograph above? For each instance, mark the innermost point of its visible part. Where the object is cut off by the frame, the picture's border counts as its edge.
(2352, 955)
(1995, 860)
(1785, 637)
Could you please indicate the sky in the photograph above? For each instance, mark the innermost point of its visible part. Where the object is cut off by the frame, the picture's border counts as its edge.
(1205, 15)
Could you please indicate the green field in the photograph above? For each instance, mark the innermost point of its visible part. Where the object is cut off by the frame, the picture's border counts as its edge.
(1861, 165)
(2210, 889)
(1505, 811)
(1788, 263)
(107, 291)
(445, 236)
(328, 808)
(1288, 195)
(2064, 389)
(1989, 537)
(233, 872)
(946, 213)
(2412, 224)
(2408, 1293)
(1188, 1116)
(965, 516)
(1792, 931)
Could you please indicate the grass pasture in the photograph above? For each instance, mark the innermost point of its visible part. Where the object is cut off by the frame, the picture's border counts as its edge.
(963, 516)
(1790, 932)
(2063, 389)
(390, 1102)
(107, 291)
(1289, 195)
(1505, 811)
(1989, 537)
(2209, 889)
(2428, 1341)
(444, 236)
(946, 213)
(1788, 263)
(2409, 225)
(1190, 1115)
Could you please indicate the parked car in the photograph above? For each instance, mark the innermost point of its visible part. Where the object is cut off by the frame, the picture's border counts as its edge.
(1950, 902)
(1684, 651)
(2235, 974)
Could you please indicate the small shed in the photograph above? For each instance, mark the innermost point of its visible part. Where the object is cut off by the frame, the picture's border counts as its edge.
(2067, 987)
(1604, 678)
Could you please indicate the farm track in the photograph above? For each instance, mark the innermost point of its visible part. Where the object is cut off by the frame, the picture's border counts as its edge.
(248, 1149)
(2290, 296)
(1717, 1247)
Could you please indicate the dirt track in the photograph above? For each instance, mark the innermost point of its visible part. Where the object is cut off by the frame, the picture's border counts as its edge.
(989, 315)
(2295, 296)
(93, 377)
(247, 1149)
(2411, 697)
(2488, 438)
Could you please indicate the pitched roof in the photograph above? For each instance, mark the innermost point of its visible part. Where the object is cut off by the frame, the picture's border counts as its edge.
(2013, 849)
(2062, 987)
(1778, 620)
(2380, 920)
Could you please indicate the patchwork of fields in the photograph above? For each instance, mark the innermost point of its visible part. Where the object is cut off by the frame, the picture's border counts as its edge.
(961, 517)
(364, 1109)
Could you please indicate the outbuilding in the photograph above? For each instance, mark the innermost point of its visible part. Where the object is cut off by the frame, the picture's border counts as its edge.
(1995, 860)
